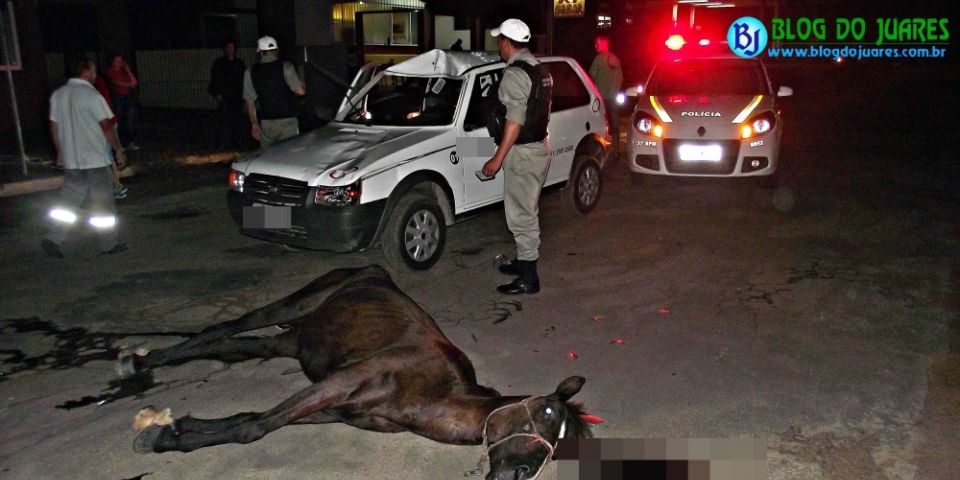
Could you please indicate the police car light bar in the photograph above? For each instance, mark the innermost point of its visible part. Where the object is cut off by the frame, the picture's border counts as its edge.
(675, 42)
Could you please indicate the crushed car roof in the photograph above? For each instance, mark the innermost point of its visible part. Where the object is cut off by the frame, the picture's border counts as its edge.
(443, 62)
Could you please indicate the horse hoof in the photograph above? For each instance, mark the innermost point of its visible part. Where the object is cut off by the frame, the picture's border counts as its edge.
(146, 439)
(125, 366)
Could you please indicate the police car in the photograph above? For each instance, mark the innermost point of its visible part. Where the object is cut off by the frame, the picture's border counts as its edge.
(706, 114)
(399, 163)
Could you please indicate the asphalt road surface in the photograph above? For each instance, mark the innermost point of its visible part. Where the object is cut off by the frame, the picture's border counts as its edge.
(820, 317)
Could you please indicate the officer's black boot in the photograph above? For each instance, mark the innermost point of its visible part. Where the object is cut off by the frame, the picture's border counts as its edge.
(527, 283)
(509, 267)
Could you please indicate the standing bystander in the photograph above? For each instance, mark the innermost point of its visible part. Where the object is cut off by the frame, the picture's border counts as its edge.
(522, 150)
(122, 82)
(226, 86)
(119, 190)
(608, 76)
(271, 88)
(80, 124)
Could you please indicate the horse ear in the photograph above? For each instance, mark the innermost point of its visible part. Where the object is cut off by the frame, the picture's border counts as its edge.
(569, 387)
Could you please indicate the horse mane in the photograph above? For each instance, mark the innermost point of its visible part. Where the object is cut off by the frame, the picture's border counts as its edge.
(577, 427)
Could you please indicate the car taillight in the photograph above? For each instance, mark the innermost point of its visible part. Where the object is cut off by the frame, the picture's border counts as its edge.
(338, 196)
(236, 180)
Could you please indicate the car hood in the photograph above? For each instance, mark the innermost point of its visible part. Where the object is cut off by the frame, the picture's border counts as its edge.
(708, 109)
(355, 149)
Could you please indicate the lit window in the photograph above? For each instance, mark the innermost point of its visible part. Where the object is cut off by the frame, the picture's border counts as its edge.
(604, 22)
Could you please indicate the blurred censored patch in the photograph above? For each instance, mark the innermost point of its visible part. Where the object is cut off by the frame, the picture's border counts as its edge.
(266, 216)
(661, 459)
(476, 146)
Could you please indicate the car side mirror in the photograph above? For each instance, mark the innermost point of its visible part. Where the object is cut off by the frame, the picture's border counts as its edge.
(634, 91)
(784, 91)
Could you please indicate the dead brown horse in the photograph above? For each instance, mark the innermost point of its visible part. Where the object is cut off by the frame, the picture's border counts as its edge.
(378, 362)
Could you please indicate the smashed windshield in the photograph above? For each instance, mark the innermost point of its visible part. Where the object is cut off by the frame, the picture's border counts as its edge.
(402, 101)
(706, 77)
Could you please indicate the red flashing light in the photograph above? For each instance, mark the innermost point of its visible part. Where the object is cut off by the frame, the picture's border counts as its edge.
(704, 42)
(675, 42)
(676, 99)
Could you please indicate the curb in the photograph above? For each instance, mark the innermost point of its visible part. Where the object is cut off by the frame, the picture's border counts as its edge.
(30, 186)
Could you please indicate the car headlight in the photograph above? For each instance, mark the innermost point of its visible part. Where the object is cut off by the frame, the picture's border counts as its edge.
(758, 125)
(338, 196)
(647, 125)
(236, 180)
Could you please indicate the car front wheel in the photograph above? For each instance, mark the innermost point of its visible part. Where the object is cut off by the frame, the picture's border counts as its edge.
(586, 185)
(415, 234)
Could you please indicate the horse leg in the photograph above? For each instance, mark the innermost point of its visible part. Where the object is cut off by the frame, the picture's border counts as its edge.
(233, 350)
(292, 309)
(188, 434)
(190, 424)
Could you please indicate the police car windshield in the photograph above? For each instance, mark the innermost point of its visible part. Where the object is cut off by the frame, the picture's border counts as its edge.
(406, 101)
(707, 77)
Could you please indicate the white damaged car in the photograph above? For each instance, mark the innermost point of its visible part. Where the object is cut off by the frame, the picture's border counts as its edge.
(398, 163)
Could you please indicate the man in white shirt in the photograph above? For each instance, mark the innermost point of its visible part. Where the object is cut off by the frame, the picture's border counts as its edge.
(83, 136)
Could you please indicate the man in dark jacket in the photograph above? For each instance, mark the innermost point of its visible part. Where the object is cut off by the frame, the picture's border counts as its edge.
(226, 86)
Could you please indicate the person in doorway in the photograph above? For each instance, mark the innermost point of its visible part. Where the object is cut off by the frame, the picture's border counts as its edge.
(608, 76)
(522, 150)
(82, 132)
(226, 87)
(271, 88)
(122, 83)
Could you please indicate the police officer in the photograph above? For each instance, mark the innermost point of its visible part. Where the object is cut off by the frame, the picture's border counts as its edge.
(271, 88)
(522, 150)
(608, 76)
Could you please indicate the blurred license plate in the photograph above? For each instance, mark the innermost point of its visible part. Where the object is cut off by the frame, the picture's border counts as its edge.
(266, 216)
(701, 153)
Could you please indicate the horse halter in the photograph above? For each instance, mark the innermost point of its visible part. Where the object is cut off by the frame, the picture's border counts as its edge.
(487, 447)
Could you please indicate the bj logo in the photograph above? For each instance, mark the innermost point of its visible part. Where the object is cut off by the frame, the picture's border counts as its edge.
(747, 37)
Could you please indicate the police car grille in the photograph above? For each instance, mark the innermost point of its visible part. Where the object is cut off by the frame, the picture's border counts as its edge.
(726, 165)
(272, 190)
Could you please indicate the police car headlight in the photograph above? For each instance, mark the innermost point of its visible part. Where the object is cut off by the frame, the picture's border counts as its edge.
(338, 196)
(236, 180)
(645, 123)
(762, 123)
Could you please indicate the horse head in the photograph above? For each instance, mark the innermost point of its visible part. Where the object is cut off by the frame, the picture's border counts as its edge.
(520, 437)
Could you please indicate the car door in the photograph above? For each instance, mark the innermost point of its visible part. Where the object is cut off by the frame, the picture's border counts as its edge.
(573, 114)
(482, 102)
